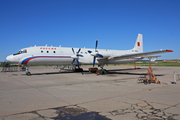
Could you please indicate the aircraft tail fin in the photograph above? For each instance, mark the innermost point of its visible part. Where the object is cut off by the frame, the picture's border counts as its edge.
(138, 47)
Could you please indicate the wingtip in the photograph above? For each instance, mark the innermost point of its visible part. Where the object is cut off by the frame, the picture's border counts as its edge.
(168, 50)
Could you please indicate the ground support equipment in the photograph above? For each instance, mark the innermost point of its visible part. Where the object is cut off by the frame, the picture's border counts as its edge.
(135, 68)
(150, 77)
(93, 70)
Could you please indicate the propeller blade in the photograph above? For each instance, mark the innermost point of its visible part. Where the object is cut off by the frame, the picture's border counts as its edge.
(77, 62)
(96, 44)
(79, 50)
(73, 50)
(73, 61)
(99, 55)
(94, 61)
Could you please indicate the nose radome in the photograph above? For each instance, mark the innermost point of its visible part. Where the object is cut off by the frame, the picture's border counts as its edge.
(9, 58)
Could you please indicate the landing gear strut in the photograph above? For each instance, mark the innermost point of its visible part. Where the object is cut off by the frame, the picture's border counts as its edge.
(27, 71)
(101, 71)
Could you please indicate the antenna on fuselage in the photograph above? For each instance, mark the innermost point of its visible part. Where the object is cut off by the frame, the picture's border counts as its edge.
(46, 45)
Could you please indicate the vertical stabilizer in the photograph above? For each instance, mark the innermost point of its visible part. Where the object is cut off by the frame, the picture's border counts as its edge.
(138, 47)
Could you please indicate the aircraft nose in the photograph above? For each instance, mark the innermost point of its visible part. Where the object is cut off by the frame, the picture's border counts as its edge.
(9, 58)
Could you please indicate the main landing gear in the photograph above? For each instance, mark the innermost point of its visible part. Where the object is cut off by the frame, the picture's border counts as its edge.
(98, 72)
(101, 72)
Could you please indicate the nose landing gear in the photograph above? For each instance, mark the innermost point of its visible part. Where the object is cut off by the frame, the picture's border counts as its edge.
(27, 71)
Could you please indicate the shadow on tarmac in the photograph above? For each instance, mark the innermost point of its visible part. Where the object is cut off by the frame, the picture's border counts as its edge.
(127, 73)
(111, 72)
(66, 113)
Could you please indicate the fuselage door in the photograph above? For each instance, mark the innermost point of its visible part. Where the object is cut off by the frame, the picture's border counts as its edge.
(61, 52)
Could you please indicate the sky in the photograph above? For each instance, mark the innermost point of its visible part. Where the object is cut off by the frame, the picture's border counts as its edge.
(78, 23)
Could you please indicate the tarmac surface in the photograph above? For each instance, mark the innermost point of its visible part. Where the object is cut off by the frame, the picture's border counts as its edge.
(52, 95)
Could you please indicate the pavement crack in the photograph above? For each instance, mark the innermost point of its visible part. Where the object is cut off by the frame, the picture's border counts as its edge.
(35, 112)
(145, 110)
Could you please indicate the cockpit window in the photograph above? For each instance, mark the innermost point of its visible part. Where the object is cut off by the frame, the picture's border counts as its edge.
(21, 51)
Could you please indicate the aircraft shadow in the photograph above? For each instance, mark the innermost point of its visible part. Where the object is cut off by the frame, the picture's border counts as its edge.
(124, 69)
(112, 71)
(119, 71)
(129, 69)
(62, 72)
(128, 73)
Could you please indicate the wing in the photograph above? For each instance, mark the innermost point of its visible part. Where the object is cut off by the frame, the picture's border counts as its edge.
(137, 55)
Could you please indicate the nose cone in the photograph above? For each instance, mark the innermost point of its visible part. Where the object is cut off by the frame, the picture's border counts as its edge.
(10, 58)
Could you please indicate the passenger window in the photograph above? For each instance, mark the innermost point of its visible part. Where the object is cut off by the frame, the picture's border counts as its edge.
(54, 51)
(41, 51)
(47, 51)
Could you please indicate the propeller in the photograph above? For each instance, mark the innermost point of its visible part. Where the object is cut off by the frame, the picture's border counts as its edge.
(95, 54)
(75, 56)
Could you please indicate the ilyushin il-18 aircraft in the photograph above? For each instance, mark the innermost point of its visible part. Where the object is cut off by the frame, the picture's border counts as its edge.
(49, 55)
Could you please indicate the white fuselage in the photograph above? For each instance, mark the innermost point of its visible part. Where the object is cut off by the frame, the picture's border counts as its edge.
(44, 55)
(48, 55)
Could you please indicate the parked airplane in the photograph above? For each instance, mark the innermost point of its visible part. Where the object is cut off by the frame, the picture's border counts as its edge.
(49, 55)
(153, 60)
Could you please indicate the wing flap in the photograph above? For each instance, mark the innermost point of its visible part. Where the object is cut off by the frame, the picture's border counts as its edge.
(138, 55)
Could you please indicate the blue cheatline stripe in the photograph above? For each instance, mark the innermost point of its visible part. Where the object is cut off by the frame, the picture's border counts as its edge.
(26, 60)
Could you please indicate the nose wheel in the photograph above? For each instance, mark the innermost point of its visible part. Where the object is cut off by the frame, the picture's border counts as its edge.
(27, 71)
